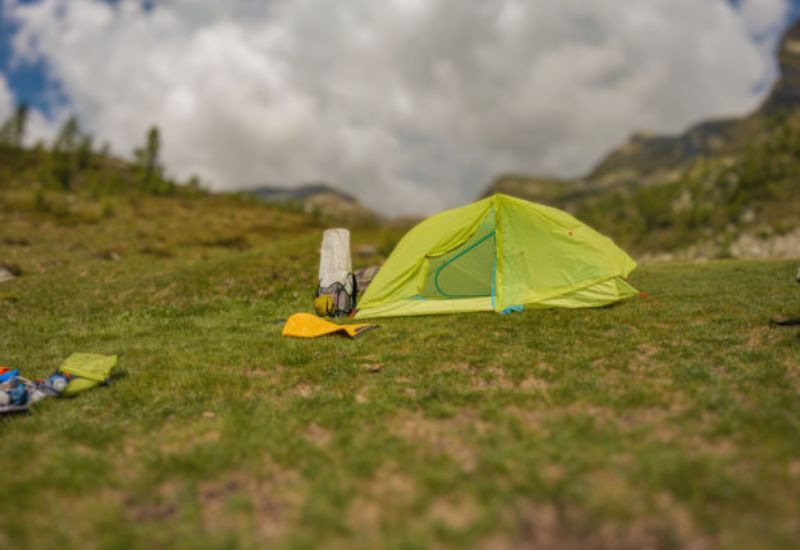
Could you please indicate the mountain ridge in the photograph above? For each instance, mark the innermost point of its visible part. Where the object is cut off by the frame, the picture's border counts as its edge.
(318, 198)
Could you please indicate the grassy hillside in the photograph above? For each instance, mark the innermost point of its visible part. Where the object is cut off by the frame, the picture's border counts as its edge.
(665, 422)
(714, 201)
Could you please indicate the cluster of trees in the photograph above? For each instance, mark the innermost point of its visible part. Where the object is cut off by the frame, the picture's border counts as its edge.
(72, 160)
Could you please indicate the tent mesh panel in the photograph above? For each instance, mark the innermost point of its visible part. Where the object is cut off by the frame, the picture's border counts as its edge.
(467, 271)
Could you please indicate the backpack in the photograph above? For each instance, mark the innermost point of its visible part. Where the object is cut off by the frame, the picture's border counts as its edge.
(337, 289)
(337, 299)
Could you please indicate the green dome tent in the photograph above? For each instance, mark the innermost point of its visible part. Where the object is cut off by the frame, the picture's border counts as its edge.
(495, 255)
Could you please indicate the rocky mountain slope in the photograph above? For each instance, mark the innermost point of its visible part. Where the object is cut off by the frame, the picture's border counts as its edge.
(319, 199)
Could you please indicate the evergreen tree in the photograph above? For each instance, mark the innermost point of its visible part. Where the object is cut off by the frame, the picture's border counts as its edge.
(148, 160)
(12, 132)
(65, 153)
(69, 137)
(84, 152)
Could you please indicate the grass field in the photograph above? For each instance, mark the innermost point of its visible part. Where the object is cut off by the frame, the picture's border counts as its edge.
(671, 421)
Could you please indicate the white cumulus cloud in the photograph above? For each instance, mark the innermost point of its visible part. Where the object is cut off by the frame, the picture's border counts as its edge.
(411, 105)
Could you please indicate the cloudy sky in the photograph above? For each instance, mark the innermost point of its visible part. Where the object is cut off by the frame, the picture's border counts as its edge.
(412, 105)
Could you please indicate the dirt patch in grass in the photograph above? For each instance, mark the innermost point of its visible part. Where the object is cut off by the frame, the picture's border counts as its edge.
(537, 419)
(760, 336)
(458, 367)
(456, 513)
(608, 487)
(680, 522)
(258, 373)
(532, 383)
(641, 361)
(407, 386)
(533, 419)
(364, 516)
(646, 354)
(362, 396)
(551, 527)
(174, 438)
(318, 435)
(792, 370)
(178, 438)
(715, 446)
(553, 473)
(493, 378)
(264, 502)
(160, 505)
(165, 295)
(450, 436)
(383, 494)
(650, 418)
(303, 390)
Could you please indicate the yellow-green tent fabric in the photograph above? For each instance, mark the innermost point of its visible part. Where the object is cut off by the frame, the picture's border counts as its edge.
(495, 254)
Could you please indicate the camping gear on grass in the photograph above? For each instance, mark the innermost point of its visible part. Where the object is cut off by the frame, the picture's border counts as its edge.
(336, 293)
(364, 277)
(55, 384)
(17, 393)
(7, 374)
(85, 371)
(306, 325)
(79, 372)
(325, 306)
(495, 255)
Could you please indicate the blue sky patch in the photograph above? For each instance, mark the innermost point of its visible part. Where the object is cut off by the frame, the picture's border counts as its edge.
(29, 82)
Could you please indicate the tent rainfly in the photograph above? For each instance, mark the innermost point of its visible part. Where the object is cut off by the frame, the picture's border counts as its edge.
(498, 254)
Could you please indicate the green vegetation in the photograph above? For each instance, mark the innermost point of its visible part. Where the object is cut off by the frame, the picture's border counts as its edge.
(72, 163)
(12, 131)
(664, 422)
(716, 199)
